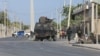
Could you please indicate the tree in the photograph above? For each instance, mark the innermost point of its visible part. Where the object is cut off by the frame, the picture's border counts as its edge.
(54, 24)
(65, 14)
(4, 19)
(20, 25)
(25, 27)
(66, 10)
(16, 24)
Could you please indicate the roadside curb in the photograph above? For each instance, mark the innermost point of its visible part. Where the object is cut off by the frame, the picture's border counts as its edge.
(80, 45)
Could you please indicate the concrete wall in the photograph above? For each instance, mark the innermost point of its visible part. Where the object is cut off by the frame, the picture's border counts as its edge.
(6, 31)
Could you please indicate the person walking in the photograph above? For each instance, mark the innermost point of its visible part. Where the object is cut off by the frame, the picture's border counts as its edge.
(80, 35)
(62, 34)
(69, 32)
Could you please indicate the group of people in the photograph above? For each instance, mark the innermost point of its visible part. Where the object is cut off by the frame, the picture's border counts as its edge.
(63, 34)
(70, 32)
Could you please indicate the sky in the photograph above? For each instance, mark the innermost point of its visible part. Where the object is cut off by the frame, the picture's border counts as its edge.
(19, 10)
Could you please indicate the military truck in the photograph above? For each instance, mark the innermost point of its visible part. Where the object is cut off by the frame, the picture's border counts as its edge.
(44, 29)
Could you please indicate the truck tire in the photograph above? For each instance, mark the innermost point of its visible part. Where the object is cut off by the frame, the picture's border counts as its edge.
(41, 39)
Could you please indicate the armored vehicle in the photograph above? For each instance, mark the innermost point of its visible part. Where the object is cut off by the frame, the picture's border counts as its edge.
(44, 29)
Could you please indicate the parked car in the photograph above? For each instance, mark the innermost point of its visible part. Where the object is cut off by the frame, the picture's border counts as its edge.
(21, 33)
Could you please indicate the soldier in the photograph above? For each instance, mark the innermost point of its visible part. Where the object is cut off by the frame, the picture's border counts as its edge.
(80, 35)
(69, 32)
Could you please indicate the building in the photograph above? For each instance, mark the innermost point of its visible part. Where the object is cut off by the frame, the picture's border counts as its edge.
(90, 25)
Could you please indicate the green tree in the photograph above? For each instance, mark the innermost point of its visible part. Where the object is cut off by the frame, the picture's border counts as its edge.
(66, 10)
(20, 25)
(72, 21)
(25, 27)
(4, 19)
(16, 24)
(54, 24)
(65, 14)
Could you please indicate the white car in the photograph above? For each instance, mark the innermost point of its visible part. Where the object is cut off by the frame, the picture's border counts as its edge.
(21, 33)
(27, 34)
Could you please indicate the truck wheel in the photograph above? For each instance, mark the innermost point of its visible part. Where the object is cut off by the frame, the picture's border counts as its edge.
(41, 39)
(53, 37)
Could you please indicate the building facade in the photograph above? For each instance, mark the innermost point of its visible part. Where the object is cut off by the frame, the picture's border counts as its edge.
(85, 11)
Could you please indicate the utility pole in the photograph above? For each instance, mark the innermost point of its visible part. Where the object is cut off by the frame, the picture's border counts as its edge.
(59, 27)
(5, 8)
(59, 15)
(60, 21)
(32, 15)
(51, 15)
(69, 15)
(84, 14)
(22, 25)
(20, 22)
(57, 23)
(96, 24)
(7, 22)
(64, 2)
(15, 23)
